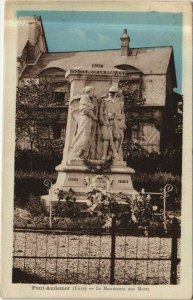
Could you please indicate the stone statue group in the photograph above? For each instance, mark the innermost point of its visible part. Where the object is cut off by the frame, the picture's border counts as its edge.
(98, 126)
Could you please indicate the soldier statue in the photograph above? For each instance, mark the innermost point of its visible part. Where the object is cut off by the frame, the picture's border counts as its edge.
(112, 121)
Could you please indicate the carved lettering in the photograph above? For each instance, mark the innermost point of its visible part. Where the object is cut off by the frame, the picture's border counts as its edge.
(72, 179)
(97, 66)
(122, 181)
(97, 72)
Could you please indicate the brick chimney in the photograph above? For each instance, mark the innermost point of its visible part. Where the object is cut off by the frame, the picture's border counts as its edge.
(125, 39)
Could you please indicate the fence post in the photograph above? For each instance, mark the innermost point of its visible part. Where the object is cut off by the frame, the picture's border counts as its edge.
(174, 258)
(48, 184)
(113, 234)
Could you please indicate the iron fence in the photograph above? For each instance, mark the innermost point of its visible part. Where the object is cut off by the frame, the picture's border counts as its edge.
(96, 256)
(162, 195)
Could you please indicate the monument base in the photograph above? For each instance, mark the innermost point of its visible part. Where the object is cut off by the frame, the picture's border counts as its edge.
(80, 180)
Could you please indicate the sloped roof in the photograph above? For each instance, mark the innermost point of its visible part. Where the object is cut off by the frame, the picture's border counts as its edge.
(147, 60)
(23, 32)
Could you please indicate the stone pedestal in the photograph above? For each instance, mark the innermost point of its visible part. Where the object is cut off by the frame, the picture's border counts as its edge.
(79, 179)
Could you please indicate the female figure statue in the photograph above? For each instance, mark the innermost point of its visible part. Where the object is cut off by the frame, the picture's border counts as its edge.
(84, 142)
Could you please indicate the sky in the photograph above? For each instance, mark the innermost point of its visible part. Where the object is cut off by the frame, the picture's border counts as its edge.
(81, 31)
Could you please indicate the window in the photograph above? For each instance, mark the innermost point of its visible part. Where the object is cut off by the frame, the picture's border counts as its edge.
(59, 97)
(43, 132)
(57, 131)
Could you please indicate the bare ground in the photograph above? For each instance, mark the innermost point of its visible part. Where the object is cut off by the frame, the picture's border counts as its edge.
(74, 269)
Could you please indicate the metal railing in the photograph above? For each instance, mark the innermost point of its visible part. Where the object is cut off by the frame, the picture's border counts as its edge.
(96, 256)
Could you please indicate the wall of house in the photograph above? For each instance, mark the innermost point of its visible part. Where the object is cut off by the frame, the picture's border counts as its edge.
(101, 87)
(169, 79)
(31, 42)
(36, 44)
(154, 90)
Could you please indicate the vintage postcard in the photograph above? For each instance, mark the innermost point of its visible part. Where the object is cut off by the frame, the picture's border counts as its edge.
(97, 140)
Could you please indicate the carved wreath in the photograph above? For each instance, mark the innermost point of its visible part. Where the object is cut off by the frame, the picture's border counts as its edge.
(98, 167)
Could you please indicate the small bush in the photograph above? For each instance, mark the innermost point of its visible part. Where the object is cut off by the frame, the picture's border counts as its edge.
(68, 209)
(36, 207)
(156, 182)
(22, 217)
(30, 183)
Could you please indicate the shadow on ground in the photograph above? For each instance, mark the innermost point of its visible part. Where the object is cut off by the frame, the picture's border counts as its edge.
(19, 276)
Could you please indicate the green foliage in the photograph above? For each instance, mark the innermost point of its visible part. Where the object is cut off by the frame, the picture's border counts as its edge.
(42, 161)
(36, 207)
(133, 151)
(69, 209)
(155, 182)
(32, 98)
(36, 93)
(67, 206)
(132, 100)
(105, 203)
(170, 160)
(141, 210)
(178, 119)
(38, 175)
(132, 95)
(27, 183)
(68, 196)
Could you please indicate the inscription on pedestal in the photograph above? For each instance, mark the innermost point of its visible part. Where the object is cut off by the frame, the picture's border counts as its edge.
(122, 181)
(97, 66)
(72, 179)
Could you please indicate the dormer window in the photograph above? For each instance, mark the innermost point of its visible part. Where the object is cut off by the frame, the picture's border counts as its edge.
(128, 68)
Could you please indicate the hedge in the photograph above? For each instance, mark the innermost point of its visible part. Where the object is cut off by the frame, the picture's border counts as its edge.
(30, 184)
(44, 161)
(170, 160)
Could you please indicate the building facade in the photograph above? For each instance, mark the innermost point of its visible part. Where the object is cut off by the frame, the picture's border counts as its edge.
(147, 73)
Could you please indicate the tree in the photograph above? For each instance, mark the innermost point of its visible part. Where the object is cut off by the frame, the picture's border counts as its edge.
(33, 98)
(133, 100)
(178, 124)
